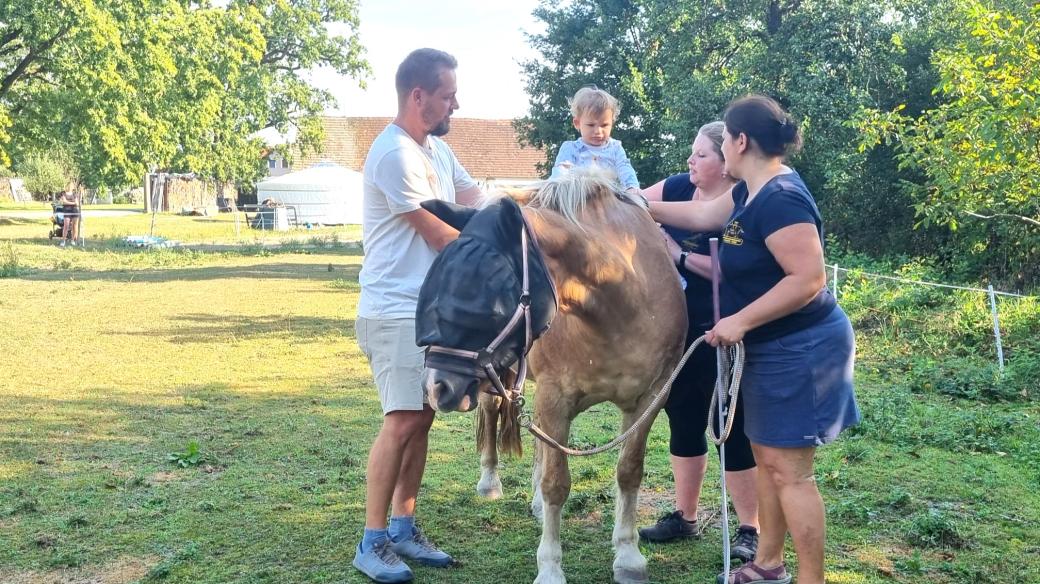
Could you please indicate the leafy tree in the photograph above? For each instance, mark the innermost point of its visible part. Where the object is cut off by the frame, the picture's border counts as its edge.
(600, 43)
(676, 63)
(979, 150)
(177, 85)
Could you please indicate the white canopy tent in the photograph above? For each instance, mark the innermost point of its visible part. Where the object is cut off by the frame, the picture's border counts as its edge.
(325, 193)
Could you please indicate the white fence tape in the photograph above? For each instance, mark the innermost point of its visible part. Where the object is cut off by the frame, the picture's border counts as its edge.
(988, 291)
(919, 282)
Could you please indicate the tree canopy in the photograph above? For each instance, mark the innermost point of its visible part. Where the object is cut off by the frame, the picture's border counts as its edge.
(979, 149)
(127, 86)
(960, 69)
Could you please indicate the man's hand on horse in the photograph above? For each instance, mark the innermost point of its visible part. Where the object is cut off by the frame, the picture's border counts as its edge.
(728, 331)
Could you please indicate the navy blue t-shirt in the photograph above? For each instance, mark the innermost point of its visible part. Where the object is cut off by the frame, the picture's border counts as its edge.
(698, 289)
(677, 188)
(749, 270)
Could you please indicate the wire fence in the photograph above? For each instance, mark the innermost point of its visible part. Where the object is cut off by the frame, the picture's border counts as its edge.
(835, 280)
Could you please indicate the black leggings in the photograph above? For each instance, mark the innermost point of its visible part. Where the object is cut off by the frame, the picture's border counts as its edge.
(687, 410)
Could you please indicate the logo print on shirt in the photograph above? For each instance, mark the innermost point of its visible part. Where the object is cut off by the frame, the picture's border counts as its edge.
(431, 175)
(734, 234)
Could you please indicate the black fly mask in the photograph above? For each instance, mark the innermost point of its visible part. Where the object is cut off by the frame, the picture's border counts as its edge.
(474, 315)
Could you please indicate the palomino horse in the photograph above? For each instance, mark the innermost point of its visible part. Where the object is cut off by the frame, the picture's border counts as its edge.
(616, 336)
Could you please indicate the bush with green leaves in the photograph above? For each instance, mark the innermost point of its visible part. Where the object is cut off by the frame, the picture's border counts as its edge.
(977, 149)
(9, 266)
(937, 340)
(190, 456)
(935, 528)
(46, 174)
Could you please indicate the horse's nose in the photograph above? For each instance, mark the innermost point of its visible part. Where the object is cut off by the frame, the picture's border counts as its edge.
(469, 397)
(447, 391)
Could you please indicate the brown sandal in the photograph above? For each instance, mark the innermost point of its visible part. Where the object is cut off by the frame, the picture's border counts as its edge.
(754, 574)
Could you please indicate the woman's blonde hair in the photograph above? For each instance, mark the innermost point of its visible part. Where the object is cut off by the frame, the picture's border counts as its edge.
(713, 131)
(595, 101)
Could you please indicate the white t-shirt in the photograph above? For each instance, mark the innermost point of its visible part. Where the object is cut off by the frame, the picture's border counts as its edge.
(400, 174)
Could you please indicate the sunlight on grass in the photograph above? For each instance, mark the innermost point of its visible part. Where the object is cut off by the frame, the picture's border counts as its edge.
(843, 577)
(115, 358)
(13, 470)
(221, 228)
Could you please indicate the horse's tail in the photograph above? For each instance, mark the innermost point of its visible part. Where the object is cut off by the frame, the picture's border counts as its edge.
(509, 441)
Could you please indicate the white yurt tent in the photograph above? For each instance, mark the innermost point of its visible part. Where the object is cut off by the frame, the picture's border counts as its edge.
(324, 193)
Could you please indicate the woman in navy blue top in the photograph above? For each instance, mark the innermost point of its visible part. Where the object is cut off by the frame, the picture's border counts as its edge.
(797, 386)
(690, 397)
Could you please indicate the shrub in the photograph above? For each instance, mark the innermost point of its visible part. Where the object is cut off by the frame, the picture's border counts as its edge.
(46, 174)
(9, 266)
(934, 528)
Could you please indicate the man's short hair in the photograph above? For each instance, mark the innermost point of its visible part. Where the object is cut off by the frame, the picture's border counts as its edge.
(422, 68)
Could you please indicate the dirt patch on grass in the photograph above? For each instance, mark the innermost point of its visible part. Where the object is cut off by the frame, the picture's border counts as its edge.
(120, 571)
(654, 502)
(161, 477)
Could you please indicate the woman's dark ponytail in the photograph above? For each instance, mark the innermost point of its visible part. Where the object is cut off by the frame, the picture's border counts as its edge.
(762, 119)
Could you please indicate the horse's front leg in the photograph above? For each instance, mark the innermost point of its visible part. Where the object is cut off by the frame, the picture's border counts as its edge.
(629, 564)
(537, 502)
(490, 485)
(556, 486)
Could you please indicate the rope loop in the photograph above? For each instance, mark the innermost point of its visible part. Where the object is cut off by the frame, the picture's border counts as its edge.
(727, 379)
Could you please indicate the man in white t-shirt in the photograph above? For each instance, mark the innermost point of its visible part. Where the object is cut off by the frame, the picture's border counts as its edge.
(406, 165)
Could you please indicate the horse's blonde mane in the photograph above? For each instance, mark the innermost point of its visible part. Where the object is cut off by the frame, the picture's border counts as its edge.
(568, 193)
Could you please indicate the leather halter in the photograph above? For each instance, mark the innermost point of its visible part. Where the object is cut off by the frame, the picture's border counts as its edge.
(484, 357)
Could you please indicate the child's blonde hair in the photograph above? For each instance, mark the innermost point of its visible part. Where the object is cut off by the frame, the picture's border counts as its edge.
(595, 101)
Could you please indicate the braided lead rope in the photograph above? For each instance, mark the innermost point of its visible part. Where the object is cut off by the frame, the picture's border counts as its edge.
(661, 395)
(731, 370)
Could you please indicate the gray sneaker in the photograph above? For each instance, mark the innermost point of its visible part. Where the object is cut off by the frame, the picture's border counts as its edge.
(745, 544)
(670, 527)
(420, 549)
(381, 564)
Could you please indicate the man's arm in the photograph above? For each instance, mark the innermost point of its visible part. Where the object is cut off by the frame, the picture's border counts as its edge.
(437, 233)
(471, 197)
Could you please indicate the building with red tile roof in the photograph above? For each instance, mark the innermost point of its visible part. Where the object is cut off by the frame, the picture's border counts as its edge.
(487, 149)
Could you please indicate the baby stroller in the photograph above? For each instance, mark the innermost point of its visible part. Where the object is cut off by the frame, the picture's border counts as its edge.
(63, 208)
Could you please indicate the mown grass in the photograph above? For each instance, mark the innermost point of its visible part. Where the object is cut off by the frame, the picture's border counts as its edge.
(120, 358)
(109, 231)
(46, 206)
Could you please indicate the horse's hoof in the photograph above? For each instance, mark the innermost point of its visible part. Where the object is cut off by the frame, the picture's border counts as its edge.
(630, 576)
(492, 490)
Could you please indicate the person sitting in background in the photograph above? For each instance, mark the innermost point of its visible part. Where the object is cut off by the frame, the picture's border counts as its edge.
(595, 112)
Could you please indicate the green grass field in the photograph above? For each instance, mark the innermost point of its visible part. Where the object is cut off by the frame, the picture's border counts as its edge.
(216, 229)
(116, 360)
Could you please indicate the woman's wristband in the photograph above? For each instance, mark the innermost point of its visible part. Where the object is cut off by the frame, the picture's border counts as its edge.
(681, 262)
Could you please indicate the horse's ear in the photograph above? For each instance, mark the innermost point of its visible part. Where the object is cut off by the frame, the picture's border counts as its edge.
(521, 196)
(455, 215)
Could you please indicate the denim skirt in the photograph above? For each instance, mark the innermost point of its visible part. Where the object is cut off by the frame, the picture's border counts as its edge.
(797, 389)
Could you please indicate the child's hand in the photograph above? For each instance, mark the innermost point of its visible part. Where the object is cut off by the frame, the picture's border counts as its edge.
(638, 195)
